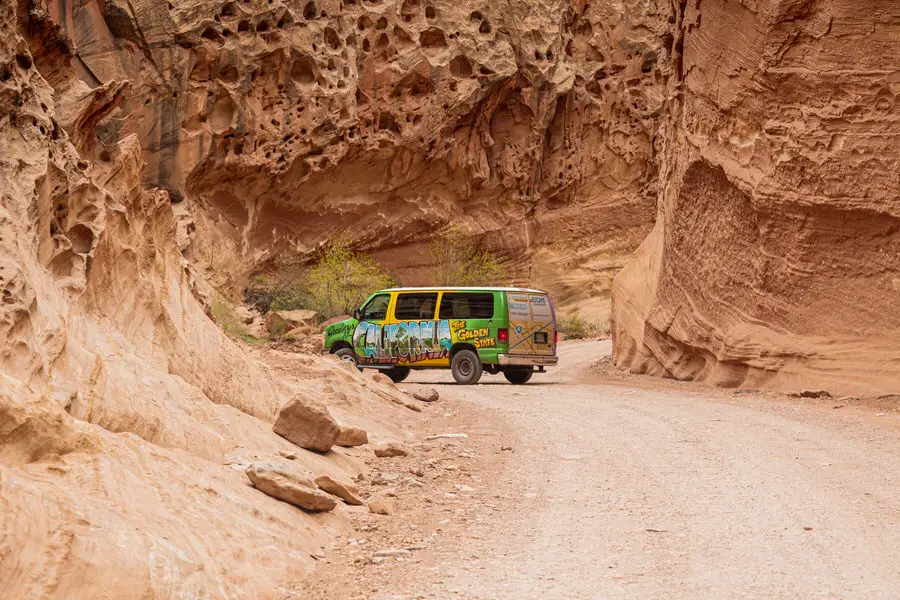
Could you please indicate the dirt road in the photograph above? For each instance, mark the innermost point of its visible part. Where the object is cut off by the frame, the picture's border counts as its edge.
(614, 490)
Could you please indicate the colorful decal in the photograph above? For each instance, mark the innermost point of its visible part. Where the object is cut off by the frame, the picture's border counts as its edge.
(407, 341)
(477, 337)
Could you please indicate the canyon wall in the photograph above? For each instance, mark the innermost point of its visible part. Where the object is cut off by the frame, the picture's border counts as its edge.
(775, 258)
(526, 127)
(126, 415)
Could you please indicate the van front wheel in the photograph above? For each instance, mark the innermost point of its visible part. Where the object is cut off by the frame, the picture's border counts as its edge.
(397, 374)
(466, 367)
(518, 376)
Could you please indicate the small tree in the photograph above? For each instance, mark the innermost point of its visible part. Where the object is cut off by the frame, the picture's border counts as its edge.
(342, 279)
(458, 263)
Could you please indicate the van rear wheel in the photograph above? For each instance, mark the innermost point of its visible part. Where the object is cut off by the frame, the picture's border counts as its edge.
(518, 376)
(466, 367)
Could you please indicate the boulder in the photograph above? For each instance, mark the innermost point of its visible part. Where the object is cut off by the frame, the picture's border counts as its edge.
(390, 450)
(308, 424)
(276, 324)
(289, 485)
(352, 436)
(428, 394)
(344, 490)
(298, 318)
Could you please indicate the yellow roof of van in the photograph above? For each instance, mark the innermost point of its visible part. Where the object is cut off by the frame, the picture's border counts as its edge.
(458, 289)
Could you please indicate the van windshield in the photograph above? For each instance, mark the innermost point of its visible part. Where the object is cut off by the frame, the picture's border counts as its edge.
(467, 305)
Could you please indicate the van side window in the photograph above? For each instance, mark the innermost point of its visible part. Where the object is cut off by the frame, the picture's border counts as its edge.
(376, 309)
(414, 307)
(467, 305)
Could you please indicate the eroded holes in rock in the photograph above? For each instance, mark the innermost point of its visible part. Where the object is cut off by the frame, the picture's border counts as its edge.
(409, 9)
(217, 18)
(461, 67)
(403, 38)
(332, 39)
(432, 38)
(5, 74)
(485, 71)
(453, 86)
(381, 24)
(263, 26)
(476, 16)
(244, 25)
(285, 20)
(228, 10)
(82, 238)
(667, 41)
(386, 122)
(320, 81)
(239, 148)
(303, 131)
(222, 113)
(549, 54)
(331, 66)
(538, 55)
(363, 22)
(228, 75)
(104, 156)
(210, 34)
(303, 71)
(309, 11)
(429, 12)
(485, 27)
(366, 46)
(648, 62)
(348, 3)
(383, 42)
(346, 71)
(413, 83)
(570, 48)
(23, 61)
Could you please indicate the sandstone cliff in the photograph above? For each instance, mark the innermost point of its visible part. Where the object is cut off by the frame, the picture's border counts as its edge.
(126, 415)
(775, 259)
(527, 127)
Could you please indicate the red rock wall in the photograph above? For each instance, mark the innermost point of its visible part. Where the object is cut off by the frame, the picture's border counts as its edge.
(776, 256)
(525, 126)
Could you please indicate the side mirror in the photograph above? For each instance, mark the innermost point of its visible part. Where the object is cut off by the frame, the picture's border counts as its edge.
(356, 314)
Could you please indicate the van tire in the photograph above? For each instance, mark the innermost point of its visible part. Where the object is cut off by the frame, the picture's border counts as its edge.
(466, 367)
(397, 374)
(347, 355)
(518, 376)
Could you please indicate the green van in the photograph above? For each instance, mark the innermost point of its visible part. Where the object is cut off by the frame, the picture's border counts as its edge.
(470, 330)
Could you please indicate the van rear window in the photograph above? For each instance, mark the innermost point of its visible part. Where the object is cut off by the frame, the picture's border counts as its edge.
(467, 305)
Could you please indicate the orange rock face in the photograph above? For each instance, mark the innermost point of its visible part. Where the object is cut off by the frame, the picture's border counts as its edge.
(527, 127)
(776, 256)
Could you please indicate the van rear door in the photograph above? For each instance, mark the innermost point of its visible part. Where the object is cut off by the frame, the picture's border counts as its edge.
(532, 324)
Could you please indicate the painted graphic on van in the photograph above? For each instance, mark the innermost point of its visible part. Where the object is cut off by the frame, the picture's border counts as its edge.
(478, 337)
(406, 341)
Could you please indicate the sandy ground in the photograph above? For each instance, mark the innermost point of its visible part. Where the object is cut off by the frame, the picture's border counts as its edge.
(578, 487)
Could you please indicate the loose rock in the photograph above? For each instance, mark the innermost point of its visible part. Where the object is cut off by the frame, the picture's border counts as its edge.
(428, 394)
(346, 491)
(392, 552)
(352, 436)
(440, 436)
(289, 485)
(814, 394)
(381, 507)
(287, 454)
(391, 450)
(307, 424)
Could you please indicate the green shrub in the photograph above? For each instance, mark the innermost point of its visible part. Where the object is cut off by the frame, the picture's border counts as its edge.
(342, 279)
(573, 327)
(458, 263)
